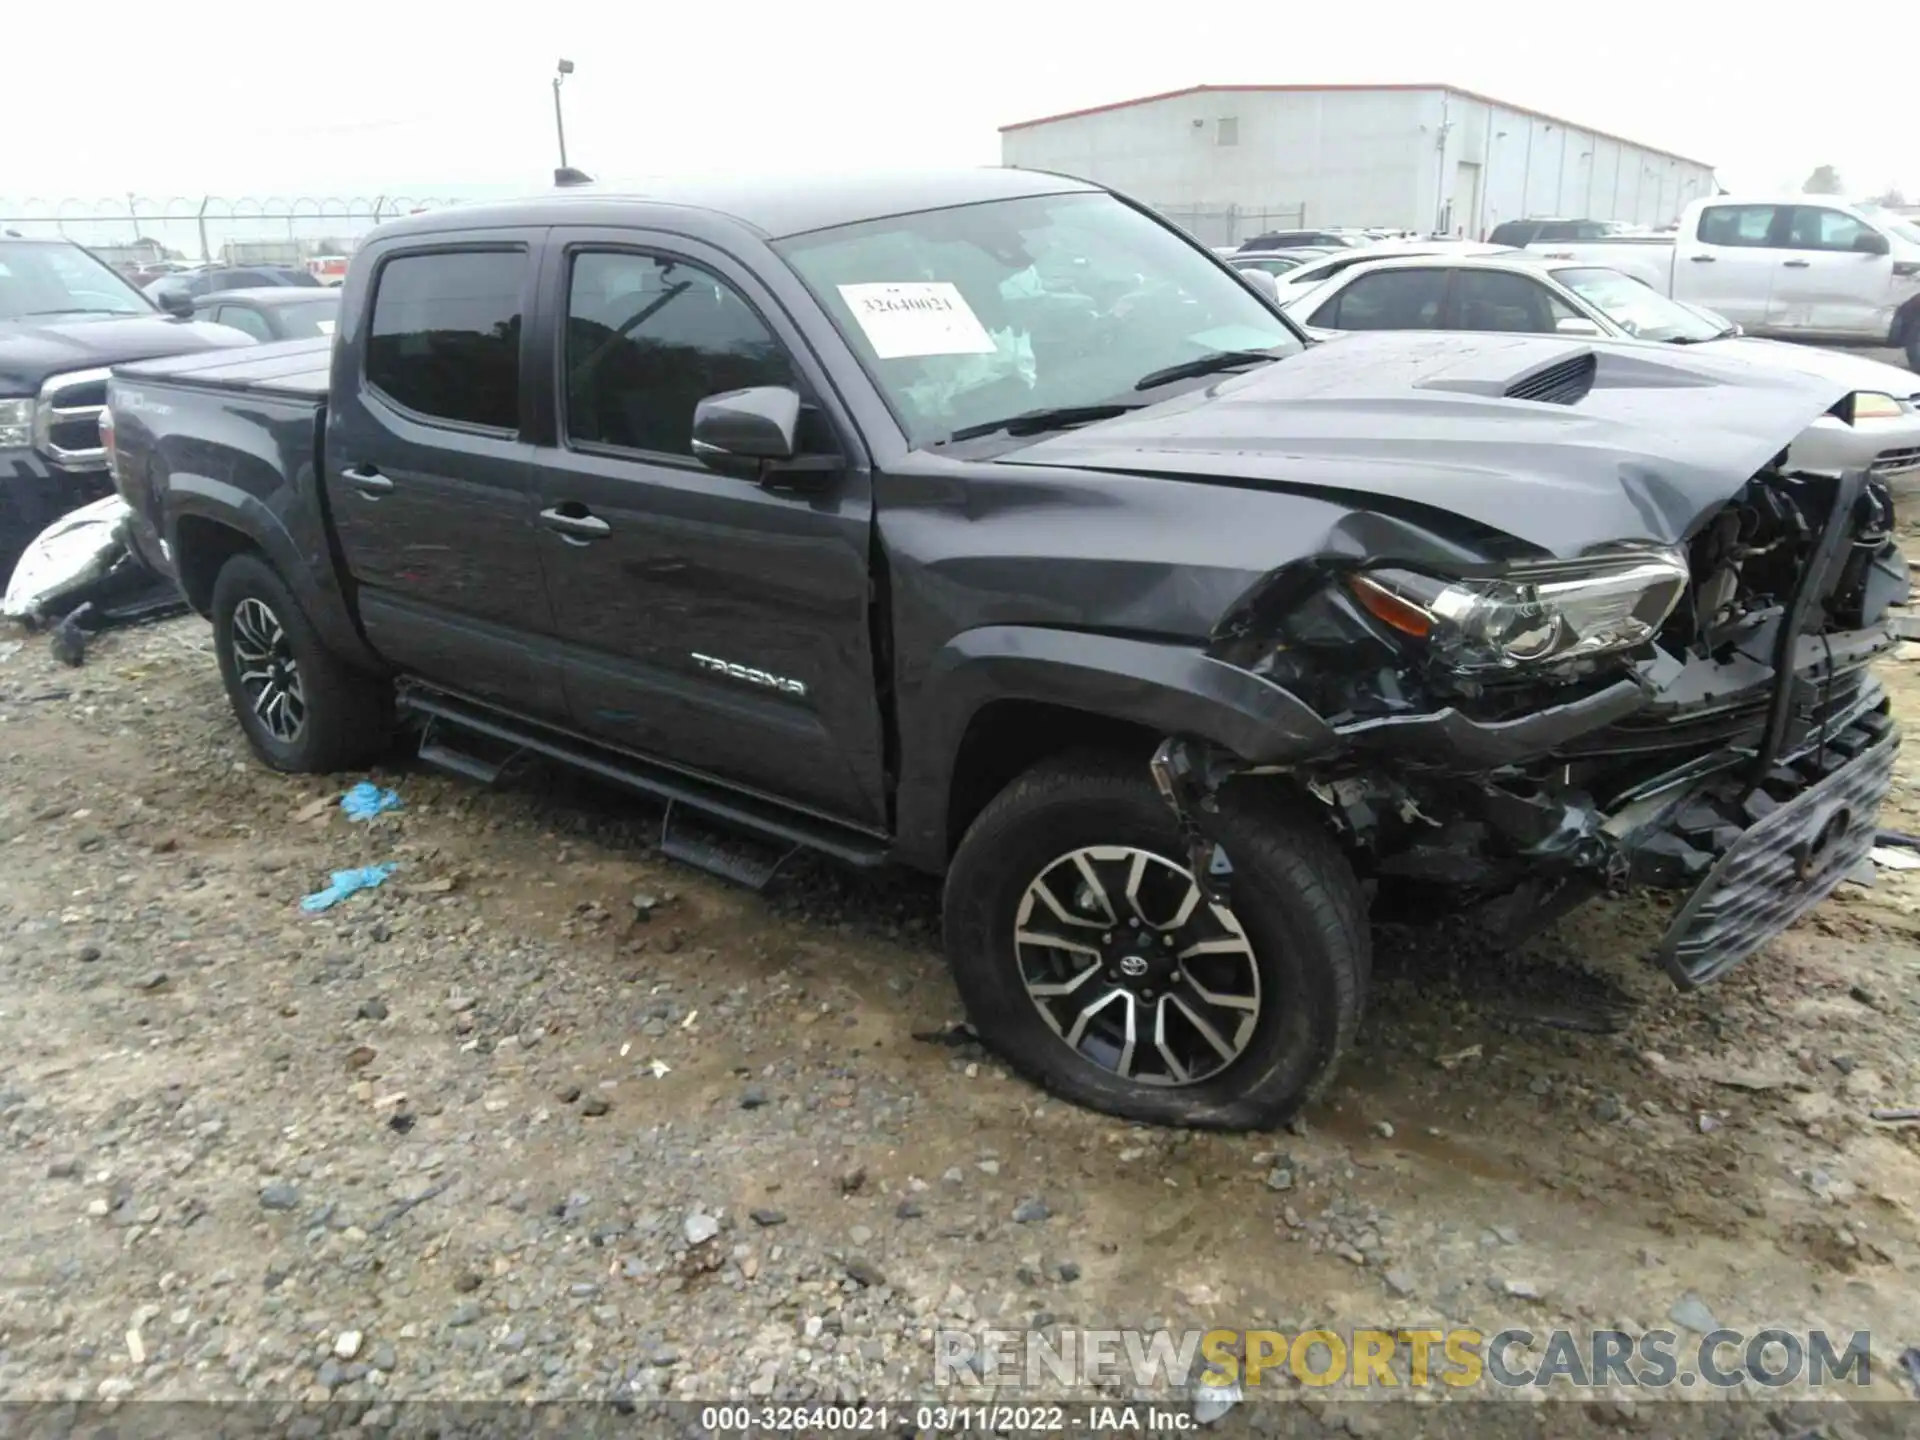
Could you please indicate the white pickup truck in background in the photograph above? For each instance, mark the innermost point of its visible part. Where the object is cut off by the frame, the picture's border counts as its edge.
(1801, 268)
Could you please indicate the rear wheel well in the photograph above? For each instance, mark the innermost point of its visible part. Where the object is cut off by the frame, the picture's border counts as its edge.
(1005, 738)
(201, 547)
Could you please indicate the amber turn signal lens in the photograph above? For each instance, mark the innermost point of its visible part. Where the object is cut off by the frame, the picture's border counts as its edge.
(1389, 609)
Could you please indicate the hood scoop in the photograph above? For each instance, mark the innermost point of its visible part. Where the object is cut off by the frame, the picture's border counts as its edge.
(1566, 382)
(1563, 375)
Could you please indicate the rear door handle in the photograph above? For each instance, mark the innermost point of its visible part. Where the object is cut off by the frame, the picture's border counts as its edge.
(1796, 264)
(370, 483)
(1701, 259)
(582, 526)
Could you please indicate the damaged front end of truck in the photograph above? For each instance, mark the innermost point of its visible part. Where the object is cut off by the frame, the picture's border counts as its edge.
(1695, 714)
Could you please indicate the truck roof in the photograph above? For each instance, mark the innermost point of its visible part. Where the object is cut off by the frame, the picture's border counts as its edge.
(775, 206)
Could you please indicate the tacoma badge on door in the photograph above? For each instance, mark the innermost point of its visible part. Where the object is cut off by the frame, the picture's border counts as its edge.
(750, 675)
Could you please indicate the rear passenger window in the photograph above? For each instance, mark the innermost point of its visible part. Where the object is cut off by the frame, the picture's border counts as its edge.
(650, 337)
(1736, 224)
(445, 337)
(1390, 300)
(1496, 300)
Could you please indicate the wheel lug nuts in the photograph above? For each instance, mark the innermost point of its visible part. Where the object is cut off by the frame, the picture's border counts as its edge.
(1106, 939)
(1135, 922)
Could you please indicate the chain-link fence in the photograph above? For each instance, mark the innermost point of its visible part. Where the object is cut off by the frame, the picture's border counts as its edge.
(1231, 224)
(243, 230)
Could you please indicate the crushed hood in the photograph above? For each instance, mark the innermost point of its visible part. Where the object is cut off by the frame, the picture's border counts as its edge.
(1661, 439)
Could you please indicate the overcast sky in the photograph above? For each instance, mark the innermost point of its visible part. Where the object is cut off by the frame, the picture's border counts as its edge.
(342, 97)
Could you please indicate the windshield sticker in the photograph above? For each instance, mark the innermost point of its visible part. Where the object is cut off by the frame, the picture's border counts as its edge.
(326, 326)
(918, 318)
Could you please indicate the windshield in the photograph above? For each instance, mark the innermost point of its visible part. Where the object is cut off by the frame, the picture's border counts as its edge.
(1637, 308)
(38, 278)
(979, 313)
(1891, 223)
(309, 317)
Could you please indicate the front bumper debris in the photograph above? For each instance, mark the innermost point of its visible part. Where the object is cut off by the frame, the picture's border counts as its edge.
(1808, 826)
(33, 495)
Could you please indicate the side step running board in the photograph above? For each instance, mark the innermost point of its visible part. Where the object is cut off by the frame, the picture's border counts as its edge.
(776, 827)
(442, 756)
(732, 857)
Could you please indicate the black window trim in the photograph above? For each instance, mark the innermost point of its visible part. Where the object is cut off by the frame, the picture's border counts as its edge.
(527, 248)
(650, 249)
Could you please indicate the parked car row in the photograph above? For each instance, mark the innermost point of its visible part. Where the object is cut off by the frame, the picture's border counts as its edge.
(176, 293)
(1799, 267)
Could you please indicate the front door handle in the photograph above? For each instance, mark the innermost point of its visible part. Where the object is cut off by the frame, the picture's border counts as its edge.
(1796, 264)
(370, 483)
(580, 526)
(1701, 259)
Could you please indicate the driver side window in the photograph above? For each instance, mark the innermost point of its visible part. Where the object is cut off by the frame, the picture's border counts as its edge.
(648, 338)
(1814, 227)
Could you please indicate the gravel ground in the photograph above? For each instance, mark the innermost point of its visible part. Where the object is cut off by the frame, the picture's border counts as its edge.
(549, 1117)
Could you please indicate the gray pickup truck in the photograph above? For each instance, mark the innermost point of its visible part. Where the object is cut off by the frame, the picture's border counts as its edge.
(983, 523)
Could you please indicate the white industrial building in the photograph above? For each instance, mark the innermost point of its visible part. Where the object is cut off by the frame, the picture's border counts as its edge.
(1231, 160)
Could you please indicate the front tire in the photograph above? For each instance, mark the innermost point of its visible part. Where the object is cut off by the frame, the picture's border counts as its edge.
(1142, 1000)
(303, 709)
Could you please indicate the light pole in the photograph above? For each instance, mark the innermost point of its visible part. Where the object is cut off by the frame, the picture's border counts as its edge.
(564, 69)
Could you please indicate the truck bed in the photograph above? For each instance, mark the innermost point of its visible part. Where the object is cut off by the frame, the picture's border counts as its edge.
(294, 368)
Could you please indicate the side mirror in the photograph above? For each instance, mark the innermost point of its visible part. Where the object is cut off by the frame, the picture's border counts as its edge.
(177, 303)
(746, 426)
(754, 434)
(1578, 325)
(1872, 242)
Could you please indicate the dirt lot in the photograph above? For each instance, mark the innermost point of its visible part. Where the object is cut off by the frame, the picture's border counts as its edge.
(548, 1116)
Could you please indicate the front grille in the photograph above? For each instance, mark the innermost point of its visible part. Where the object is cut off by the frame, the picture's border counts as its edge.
(1657, 730)
(1900, 461)
(66, 422)
(1564, 383)
(1794, 839)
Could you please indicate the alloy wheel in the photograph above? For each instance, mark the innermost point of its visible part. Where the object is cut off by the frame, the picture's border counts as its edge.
(269, 678)
(1134, 969)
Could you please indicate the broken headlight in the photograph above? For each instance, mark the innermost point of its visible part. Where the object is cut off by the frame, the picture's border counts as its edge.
(1531, 615)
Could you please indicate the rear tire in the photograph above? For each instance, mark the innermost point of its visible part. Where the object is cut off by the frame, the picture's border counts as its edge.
(302, 708)
(1913, 344)
(1302, 959)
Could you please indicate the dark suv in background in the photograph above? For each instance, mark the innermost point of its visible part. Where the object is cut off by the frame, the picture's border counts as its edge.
(65, 316)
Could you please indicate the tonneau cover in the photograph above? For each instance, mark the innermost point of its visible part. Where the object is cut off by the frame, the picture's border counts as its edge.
(286, 367)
